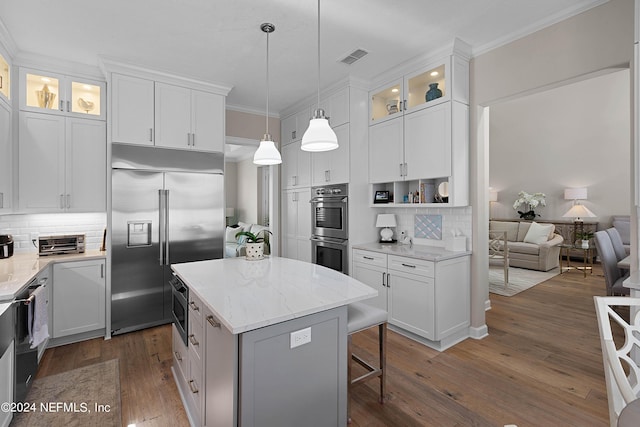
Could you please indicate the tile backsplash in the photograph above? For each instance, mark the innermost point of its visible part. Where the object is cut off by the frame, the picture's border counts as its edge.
(21, 226)
(453, 220)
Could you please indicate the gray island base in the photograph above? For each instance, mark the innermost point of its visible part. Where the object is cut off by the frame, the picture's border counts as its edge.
(267, 343)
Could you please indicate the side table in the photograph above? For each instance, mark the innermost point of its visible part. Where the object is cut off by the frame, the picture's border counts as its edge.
(587, 258)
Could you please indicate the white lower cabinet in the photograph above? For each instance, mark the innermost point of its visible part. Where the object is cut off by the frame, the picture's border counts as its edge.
(78, 297)
(296, 224)
(6, 383)
(426, 300)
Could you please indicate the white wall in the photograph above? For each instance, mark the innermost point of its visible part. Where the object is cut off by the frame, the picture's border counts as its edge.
(247, 192)
(572, 136)
(599, 38)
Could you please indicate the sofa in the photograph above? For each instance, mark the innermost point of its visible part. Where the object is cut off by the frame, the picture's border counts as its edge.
(531, 245)
(235, 247)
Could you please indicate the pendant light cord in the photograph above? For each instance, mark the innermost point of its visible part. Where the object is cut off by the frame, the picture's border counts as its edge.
(318, 54)
(267, 114)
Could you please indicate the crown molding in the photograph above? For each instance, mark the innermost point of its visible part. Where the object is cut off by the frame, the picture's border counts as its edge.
(52, 64)
(112, 65)
(8, 45)
(536, 26)
(251, 110)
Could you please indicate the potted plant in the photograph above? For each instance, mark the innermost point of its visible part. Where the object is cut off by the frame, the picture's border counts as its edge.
(531, 201)
(255, 244)
(584, 236)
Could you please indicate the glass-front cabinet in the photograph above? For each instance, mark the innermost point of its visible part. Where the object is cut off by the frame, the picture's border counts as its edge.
(5, 75)
(59, 94)
(415, 91)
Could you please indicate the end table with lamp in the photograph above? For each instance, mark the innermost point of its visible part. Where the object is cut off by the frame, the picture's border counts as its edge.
(588, 253)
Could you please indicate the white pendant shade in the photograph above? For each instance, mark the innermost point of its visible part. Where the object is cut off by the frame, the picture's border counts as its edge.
(267, 153)
(319, 136)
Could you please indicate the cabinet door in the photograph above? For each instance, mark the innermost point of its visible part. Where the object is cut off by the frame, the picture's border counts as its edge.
(41, 91)
(221, 370)
(411, 303)
(7, 368)
(427, 142)
(132, 108)
(304, 214)
(289, 165)
(173, 116)
(288, 129)
(6, 162)
(332, 167)
(207, 121)
(290, 214)
(386, 156)
(41, 162)
(86, 166)
(78, 297)
(336, 107)
(376, 278)
(302, 122)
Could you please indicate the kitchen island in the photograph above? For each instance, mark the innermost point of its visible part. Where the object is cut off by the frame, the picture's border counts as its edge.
(267, 342)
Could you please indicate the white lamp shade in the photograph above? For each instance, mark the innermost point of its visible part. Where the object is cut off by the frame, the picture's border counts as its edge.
(493, 196)
(575, 194)
(319, 136)
(579, 211)
(386, 220)
(267, 153)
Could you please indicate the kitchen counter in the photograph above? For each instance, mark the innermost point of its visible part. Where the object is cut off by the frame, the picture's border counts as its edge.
(428, 253)
(246, 295)
(17, 271)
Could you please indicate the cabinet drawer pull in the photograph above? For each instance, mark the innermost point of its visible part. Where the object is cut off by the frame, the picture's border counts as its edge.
(213, 322)
(192, 339)
(401, 169)
(193, 306)
(388, 280)
(408, 265)
(68, 201)
(61, 105)
(368, 257)
(151, 134)
(383, 283)
(62, 201)
(192, 386)
(405, 105)
(193, 139)
(1, 200)
(293, 135)
(178, 356)
(68, 106)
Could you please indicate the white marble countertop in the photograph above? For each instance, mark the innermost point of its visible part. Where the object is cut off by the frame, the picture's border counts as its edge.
(17, 271)
(246, 295)
(633, 281)
(428, 253)
(4, 307)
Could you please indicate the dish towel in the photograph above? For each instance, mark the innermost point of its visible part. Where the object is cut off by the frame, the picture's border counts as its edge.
(38, 317)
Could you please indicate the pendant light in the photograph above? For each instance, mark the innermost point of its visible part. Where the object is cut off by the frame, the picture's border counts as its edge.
(267, 153)
(319, 136)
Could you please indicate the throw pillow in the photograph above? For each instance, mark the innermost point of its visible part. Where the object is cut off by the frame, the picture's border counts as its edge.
(230, 234)
(538, 233)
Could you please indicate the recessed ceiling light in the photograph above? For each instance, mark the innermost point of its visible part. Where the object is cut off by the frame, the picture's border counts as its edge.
(434, 73)
(87, 87)
(395, 90)
(46, 80)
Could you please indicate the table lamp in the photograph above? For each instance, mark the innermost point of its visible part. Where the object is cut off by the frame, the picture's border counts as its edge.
(386, 221)
(578, 212)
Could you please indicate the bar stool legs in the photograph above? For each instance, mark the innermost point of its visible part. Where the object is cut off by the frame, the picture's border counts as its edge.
(362, 317)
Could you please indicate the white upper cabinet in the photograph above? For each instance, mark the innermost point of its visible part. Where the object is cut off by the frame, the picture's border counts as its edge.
(6, 162)
(62, 164)
(52, 93)
(146, 112)
(332, 167)
(188, 119)
(336, 107)
(132, 103)
(296, 166)
(293, 126)
(427, 143)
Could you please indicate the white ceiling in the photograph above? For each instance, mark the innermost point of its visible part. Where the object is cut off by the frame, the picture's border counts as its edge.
(221, 41)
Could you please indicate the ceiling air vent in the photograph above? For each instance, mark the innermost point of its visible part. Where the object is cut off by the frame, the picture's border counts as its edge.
(353, 56)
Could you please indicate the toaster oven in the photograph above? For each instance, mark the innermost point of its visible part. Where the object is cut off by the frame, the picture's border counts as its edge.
(59, 245)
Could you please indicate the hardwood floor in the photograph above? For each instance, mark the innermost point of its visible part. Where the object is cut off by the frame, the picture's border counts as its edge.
(541, 365)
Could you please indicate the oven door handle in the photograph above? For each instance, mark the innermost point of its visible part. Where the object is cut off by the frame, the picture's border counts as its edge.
(329, 240)
(329, 200)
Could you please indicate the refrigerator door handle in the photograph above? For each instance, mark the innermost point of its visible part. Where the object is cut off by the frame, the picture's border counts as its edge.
(161, 228)
(166, 227)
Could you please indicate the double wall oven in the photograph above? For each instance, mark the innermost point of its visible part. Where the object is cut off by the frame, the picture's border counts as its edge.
(329, 227)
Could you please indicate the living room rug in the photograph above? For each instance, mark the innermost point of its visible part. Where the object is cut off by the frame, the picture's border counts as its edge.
(87, 396)
(520, 279)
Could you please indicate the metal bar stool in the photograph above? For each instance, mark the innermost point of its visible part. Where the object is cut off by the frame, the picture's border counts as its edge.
(360, 317)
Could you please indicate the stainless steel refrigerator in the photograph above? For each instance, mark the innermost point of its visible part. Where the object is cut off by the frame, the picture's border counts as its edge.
(167, 208)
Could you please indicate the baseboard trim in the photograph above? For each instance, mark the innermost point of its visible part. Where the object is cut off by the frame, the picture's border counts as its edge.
(479, 333)
(487, 305)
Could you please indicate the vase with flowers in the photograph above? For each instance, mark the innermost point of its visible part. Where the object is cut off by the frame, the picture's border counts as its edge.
(530, 201)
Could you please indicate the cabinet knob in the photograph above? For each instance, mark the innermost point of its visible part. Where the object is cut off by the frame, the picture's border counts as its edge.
(193, 387)
(213, 322)
(193, 340)
(193, 305)
(178, 356)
